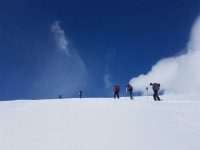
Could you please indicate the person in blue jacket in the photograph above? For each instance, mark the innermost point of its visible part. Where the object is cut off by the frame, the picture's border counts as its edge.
(156, 88)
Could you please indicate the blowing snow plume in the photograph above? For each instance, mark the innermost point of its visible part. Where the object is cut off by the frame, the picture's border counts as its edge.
(177, 75)
(60, 37)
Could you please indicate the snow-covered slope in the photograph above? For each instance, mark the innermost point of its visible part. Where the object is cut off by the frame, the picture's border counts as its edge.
(101, 124)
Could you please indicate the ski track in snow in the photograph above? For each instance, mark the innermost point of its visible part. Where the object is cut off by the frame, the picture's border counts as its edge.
(101, 123)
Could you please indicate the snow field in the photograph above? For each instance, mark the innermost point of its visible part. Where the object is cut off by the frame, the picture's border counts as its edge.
(101, 124)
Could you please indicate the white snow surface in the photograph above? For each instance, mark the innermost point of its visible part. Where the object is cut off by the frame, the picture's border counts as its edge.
(101, 124)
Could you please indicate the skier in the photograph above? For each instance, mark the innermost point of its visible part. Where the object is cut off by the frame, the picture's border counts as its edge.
(80, 94)
(129, 88)
(116, 89)
(156, 88)
(60, 96)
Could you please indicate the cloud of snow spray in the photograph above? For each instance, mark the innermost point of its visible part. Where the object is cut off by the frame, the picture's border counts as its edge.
(177, 75)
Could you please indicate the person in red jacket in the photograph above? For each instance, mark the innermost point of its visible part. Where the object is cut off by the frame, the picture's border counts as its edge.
(116, 90)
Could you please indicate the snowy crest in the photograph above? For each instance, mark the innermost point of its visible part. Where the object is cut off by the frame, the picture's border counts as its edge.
(177, 75)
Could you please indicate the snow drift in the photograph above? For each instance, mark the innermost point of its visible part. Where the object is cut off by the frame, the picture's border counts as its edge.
(178, 75)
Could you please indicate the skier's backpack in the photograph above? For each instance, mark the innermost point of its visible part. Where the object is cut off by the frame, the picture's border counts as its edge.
(157, 86)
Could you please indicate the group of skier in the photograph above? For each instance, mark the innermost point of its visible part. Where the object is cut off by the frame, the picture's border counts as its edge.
(129, 89)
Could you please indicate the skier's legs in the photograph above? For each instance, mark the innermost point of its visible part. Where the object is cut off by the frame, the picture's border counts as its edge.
(114, 95)
(155, 95)
(117, 93)
(131, 94)
(158, 98)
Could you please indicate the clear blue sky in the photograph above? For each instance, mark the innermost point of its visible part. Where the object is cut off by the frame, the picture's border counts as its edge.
(111, 38)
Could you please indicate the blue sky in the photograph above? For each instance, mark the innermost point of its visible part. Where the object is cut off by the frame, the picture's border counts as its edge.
(105, 43)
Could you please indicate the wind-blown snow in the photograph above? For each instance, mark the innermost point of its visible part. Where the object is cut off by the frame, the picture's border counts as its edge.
(60, 37)
(178, 75)
(101, 124)
(64, 71)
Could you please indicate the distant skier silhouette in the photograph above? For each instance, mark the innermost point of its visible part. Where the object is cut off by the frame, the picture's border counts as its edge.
(156, 88)
(80, 94)
(116, 89)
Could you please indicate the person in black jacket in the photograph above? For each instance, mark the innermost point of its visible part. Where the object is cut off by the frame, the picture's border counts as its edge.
(129, 88)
